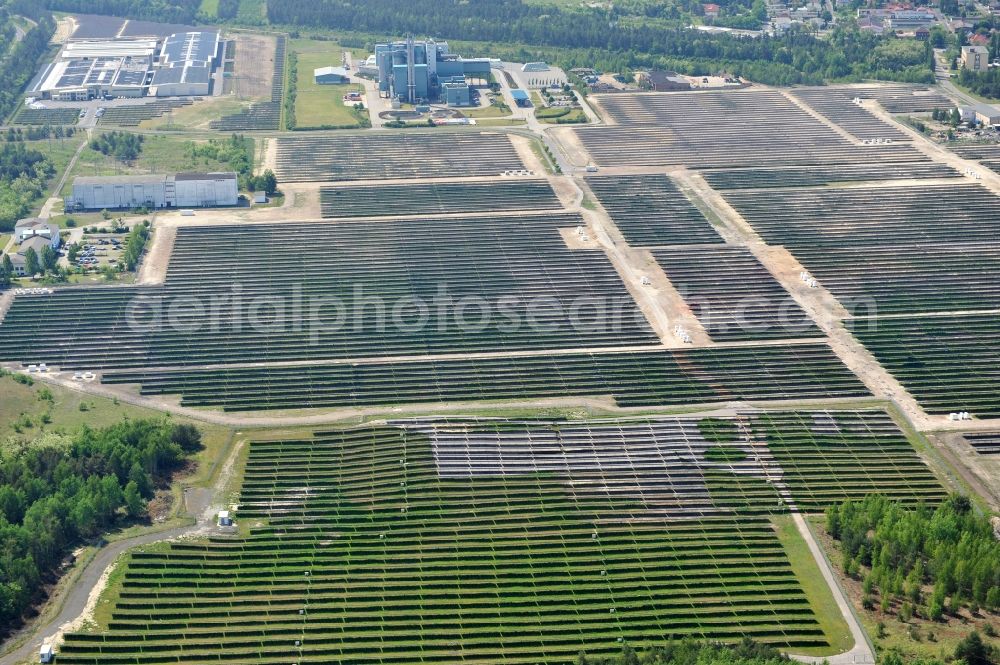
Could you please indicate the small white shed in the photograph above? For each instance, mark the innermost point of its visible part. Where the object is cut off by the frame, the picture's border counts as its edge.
(224, 518)
(260, 197)
(46, 654)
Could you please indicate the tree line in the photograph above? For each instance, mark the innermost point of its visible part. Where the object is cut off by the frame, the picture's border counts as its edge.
(135, 245)
(899, 552)
(38, 133)
(57, 492)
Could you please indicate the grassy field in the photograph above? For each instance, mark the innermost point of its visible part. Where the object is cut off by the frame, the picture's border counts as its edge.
(561, 116)
(209, 7)
(24, 410)
(60, 152)
(499, 122)
(320, 105)
(160, 154)
(197, 115)
(808, 573)
(536, 147)
(251, 12)
(30, 411)
(500, 110)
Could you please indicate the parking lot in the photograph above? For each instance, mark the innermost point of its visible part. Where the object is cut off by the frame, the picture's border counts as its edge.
(99, 250)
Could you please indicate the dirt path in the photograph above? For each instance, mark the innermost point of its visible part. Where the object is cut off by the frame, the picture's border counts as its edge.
(819, 117)
(270, 154)
(820, 304)
(659, 300)
(56, 197)
(938, 153)
(154, 265)
(980, 472)
(64, 29)
(522, 145)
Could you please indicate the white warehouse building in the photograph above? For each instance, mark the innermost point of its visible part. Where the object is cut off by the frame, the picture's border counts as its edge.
(182, 190)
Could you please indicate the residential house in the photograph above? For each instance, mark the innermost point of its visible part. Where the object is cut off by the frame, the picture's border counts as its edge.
(975, 58)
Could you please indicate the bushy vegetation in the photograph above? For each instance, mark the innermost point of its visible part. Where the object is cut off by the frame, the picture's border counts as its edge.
(986, 84)
(292, 72)
(971, 650)
(691, 652)
(123, 146)
(6, 272)
(58, 491)
(135, 244)
(266, 182)
(24, 173)
(898, 552)
(236, 151)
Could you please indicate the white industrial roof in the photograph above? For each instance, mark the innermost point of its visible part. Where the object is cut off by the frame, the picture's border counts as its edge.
(119, 48)
(326, 71)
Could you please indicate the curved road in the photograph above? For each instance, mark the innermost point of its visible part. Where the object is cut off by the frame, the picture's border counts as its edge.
(198, 503)
(76, 599)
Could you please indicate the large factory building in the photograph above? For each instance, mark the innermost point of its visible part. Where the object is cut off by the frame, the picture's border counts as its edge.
(180, 64)
(413, 71)
(182, 190)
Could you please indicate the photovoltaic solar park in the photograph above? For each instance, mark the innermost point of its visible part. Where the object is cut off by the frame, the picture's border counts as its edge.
(454, 540)
(391, 156)
(369, 267)
(439, 198)
(698, 130)
(509, 395)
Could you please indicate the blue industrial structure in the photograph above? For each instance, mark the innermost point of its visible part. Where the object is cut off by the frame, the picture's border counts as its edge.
(412, 71)
(455, 91)
(520, 97)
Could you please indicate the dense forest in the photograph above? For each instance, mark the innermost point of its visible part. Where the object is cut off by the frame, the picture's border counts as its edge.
(950, 549)
(795, 57)
(24, 173)
(167, 11)
(638, 34)
(58, 491)
(20, 63)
